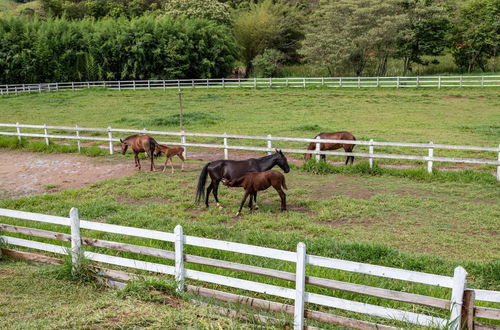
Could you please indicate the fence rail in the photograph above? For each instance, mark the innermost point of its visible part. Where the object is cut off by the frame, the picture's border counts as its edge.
(331, 82)
(457, 283)
(267, 144)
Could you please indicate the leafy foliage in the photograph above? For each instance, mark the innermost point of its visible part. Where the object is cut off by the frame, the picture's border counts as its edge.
(209, 9)
(141, 48)
(267, 64)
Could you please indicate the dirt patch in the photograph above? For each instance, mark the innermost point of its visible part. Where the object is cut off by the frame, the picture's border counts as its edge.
(27, 173)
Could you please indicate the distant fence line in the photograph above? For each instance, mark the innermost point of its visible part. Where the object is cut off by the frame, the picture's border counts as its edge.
(339, 82)
(266, 140)
(461, 304)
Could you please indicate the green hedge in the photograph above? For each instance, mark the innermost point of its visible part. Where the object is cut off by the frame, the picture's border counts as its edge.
(113, 49)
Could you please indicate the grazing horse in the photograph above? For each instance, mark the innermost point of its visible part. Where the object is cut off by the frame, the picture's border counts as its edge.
(258, 181)
(170, 152)
(234, 169)
(139, 143)
(333, 146)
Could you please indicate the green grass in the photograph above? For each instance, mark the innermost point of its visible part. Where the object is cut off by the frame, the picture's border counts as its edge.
(32, 298)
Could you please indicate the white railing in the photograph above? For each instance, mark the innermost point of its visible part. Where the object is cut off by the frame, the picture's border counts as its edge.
(267, 141)
(341, 82)
(457, 283)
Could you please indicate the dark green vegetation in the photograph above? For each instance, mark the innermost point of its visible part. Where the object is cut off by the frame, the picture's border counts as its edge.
(32, 297)
(147, 47)
(277, 38)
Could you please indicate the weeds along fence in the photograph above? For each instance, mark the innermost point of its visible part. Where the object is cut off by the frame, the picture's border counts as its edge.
(461, 304)
(265, 140)
(340, 82)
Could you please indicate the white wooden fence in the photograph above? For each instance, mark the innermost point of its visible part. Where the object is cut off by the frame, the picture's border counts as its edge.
(266, 140)
(457, 283)
(340, 82)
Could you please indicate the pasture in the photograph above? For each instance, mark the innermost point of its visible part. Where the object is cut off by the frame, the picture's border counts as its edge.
(429, 226)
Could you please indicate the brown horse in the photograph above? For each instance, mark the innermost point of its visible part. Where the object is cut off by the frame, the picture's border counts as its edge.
(333, 146)
(258, 181)
(169, 153)
(140, 143)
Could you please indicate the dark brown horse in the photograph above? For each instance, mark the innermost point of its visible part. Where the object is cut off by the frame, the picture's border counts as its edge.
(258, 181)
(234, 169)
(140, 143)
(170, 152)
(333, 146)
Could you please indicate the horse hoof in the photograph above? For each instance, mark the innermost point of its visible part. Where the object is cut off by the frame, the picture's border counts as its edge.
(237, 214)
(219, 206)
(256, 207)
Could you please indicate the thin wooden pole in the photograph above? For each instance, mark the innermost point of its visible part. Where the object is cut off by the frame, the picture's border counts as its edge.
(429, 162)
(18, 132)
(226, 151)
(75, 239)
(269, 144)
(181, 119)
(457, 294)
(467, 321)
(318, 148)
(179, 258)
(78, 139)
(110, 137)
(46, 133)
(370, 151)
(300, 278)
(183, 142)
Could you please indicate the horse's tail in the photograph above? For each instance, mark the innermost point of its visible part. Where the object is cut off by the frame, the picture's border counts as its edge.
(200, 190)
(283, 183)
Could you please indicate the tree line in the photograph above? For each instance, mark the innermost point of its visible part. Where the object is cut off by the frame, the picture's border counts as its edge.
(138, 39)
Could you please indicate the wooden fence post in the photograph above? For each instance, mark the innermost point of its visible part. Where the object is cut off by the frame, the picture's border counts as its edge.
(254, 82)
(183, 141)
(461, 78)
(457, 294)
(418, 81)
(73, 86)
(439, 81)
(78, 139)
(149, 85)
(397, 82)
(370, 151)
(359, 82)
(110, 137)
(46, 133)
(340, 82)
(429, 162)
(39, 88)
(269, 144)
(133, 83)
(286, 82)
(179, 258)
(318, 148)
(18, 132)
(119, 85)
(226, 151)
(75, 239)
(300, 280)
(270, 82)
(498, 166)
(482, 81)
(378, 81)
(239, 82)
(467, 320)
(304, 80)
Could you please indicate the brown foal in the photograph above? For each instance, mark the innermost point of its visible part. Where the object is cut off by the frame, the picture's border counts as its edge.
(258, 181)
(170, 152)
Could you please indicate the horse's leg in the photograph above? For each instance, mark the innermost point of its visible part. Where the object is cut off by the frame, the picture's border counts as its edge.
(216, 193)
(209, 190)
(243, 202)
(172, 164)
(323, 158)
(182, 158)
(352, 160)
(255, 207)
(150, 154)
(136, 155)
(282, 196)
(165, 166)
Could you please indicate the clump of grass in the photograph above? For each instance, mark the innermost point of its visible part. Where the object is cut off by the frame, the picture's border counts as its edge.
(149, 289)
(420, 174)
(189, 118)
(37, 146)
(489, 131)
(82, 273)
(309, 127)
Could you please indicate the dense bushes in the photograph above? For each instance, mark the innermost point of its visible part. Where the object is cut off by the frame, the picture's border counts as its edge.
(108, 49)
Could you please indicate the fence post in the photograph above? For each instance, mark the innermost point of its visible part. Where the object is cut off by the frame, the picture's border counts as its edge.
(226, 151)
(75, 239)
(304, 82)
(378, 81)
(318, 148)
(439, 81)
(223, 83)
(179, 258)
(359, 82)
(467, 320)
(39, 88)
(269, 144)
(461, 78)
(110, 137)
(397, 82)
(254, 82)
(429, 162)
(183, 142)
(208, 85)
(133, 83)
(498, 166)
(457, 294)
(482, 81)
(322, 81)
(45, 131)
(78, 139)
(370, 151)
(149, 85)
(300, 279)
(18, 132)
(239, 82)
(270, 82)
(340, 82)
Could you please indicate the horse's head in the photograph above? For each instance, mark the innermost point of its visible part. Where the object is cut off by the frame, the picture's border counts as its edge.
(124, 146)
(157, 151)
(281, 161)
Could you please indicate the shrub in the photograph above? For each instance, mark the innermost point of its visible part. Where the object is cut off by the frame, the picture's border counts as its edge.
(267, 64)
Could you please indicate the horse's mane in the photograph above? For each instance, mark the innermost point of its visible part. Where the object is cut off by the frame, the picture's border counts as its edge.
(130, 137)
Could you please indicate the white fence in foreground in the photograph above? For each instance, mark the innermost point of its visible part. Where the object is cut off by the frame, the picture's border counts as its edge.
(335, 82)
(457, 283)
(265, 140)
